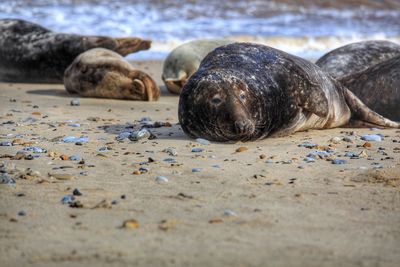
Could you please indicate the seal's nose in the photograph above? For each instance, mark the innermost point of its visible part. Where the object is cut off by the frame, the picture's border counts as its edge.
(243, 126)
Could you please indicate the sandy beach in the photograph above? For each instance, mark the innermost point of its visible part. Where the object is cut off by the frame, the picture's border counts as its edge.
(240, 204)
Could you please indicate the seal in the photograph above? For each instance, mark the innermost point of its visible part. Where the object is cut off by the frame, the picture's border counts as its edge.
(378, 87)
(103, 73)
(245, 91)
(184, 60)
(30, 53)
(356, 57)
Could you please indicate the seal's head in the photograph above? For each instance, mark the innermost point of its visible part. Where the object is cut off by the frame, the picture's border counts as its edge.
(219, 106)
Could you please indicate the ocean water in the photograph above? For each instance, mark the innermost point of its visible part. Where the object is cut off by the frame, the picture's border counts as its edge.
(308, 28)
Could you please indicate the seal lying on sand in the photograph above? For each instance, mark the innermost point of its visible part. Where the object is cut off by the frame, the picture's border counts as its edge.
(378, 87)
(31, 53)
(356, 57)
(246, 91)
(101, 72)
(184, 60)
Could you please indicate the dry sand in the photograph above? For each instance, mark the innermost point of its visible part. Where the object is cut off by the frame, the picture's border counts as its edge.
(239, 210)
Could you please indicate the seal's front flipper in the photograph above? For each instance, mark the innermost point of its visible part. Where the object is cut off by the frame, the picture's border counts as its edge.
(363, 113)
(313, 99)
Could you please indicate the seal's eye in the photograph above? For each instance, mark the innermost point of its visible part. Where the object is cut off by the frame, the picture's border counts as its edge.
(216, 100)
(242, 96)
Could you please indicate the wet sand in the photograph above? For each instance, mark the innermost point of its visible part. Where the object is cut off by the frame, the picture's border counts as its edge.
(263, 206)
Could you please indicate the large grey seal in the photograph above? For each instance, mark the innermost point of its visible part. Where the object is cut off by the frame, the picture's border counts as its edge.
(184, 60)
(101, 72)
(33, 54)
(246, 91)
(356, 57)
(378, 87)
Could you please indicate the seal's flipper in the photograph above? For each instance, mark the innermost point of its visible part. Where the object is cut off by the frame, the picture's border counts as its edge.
(363, 113)
(314, 101)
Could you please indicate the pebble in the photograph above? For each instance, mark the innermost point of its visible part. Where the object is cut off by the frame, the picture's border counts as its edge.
(197, 149)
(21, 213)
(122, 136)
(377, 165)
(103, 149)
(309, 159)
(241, 149)
(347, 139)
(196, 170)
(76, 192)
(74, 158)
(141, 134)
(6, 143)
(171, 151)
(367, 144)
(75, 102)
(68, 199)
(339, 161)
(74, 125)
(35, 149)
(318, 153)
(161, 179)
(371, 137)
(350, 154)
(308, 145)
(7, 179)
(130, 224)
(203, 141)
(61, 176)
(335, 140)
(73, 139)
(229, 213)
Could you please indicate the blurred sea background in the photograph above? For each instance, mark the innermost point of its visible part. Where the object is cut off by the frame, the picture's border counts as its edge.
(307, 28)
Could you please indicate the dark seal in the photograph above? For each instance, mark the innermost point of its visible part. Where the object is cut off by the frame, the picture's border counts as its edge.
(357, 57)
(246, 91)
(30, 53)
(378, 87)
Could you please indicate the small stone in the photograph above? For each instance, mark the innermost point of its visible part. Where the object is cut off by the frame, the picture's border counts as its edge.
(371, 137)
(35, 149)
(6, 143)
(367, 144)
(68, 199)
(76, 192)
(130, 224)
(215, 221)
(114, 202)
(64, 157)
(241, 149)
(203, 141)
(347, 139)
(29, 157)
(335, 140)
(339, 161)
(171, 151)
(61, 176)
(141, 134)
(229, 213)
(136, 172)
(161, 179)
(196, 170)
(6, 179)
(262, 156)
(75, 102)
(122, 136)
(197, 149)
(74, 158)
(123, 196)
(21, 213)
(166, 225)
(309, 159)
(73, 139)
(308, 145)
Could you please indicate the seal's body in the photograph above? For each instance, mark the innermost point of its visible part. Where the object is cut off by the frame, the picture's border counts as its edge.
(184, 60)
(247, 91)
(30, 53)
(356, 57)
(378, 87)
(103, 73)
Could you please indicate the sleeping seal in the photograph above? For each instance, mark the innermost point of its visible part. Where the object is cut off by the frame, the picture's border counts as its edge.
(356, 57)
(101, 72)
(184, 60)
(246, 91)
(378, 87)
(31, 53)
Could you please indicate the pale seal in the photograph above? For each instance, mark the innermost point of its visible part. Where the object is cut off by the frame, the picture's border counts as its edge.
(356, 57)
(30, 53)
(378, 87)
(184, 60)
(103, 73)
(246, 91)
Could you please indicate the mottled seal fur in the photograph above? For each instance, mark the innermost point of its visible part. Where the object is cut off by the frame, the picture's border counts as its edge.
(184, 60)
(356, 57)
(246, 91)
(378, 87)
(103, 73)
(30, 53)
